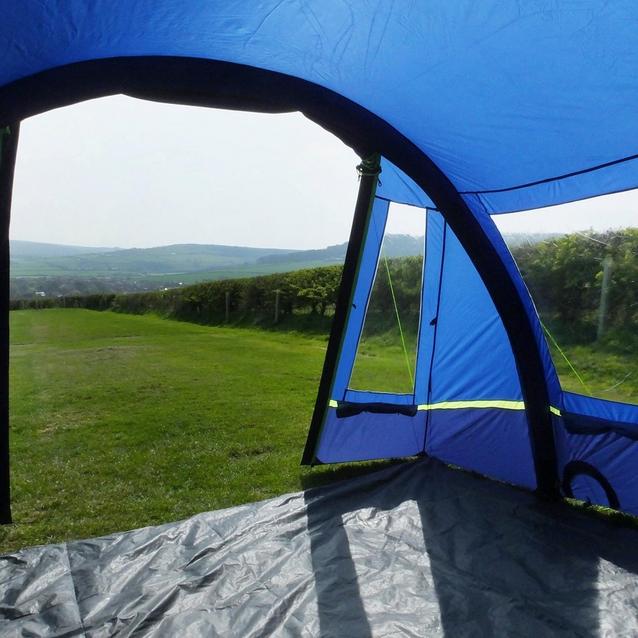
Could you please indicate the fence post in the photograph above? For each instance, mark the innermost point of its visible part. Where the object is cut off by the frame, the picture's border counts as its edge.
(277, 293)
(608, 264)
(227, 306)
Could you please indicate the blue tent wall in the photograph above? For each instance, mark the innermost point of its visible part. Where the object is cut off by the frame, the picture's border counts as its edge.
(472, 363)
(467, 398)
(469, 408)
(597, 444)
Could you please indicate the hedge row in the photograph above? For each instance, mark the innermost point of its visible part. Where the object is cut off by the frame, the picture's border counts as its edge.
(564, 275)
(312, 291)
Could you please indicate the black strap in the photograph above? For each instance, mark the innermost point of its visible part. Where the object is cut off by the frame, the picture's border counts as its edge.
(576, 468)
(347, 408)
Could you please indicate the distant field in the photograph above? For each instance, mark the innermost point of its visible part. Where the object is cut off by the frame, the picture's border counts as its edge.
(242, 270)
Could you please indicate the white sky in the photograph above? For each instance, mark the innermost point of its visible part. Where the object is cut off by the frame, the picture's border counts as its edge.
(124, 172)
(619, 210)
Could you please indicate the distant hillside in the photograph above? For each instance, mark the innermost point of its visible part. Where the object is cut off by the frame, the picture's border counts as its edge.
(134, 262)
(394, 246)
(514, 240)
(52, 270)
(33, 249)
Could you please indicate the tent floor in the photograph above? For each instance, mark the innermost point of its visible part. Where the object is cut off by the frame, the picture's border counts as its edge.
(415, 549)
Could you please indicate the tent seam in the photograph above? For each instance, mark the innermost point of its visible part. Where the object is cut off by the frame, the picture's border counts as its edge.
(557, 178)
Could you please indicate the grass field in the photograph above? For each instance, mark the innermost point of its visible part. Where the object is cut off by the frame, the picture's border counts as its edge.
(605, 374)
(122, 421)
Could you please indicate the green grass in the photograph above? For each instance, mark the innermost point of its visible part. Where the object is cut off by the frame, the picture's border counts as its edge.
(381, 363)
(607, 375)
(120, 421)
(123, 421)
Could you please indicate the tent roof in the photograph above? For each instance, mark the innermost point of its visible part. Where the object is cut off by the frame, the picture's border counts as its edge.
(521, 105)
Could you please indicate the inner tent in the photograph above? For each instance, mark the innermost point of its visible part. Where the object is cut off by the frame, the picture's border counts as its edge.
(465, 405)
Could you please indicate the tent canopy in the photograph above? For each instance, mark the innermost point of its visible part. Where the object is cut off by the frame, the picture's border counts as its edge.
(477, 109)
(521, 105)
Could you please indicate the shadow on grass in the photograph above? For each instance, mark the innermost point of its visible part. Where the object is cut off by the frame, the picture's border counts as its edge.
(321, 475)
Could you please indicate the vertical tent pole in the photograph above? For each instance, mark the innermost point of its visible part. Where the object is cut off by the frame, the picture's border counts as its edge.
(369, 170)
(8, 149)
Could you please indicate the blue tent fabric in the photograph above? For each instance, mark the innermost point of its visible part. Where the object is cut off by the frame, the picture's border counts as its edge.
(499, 95)
(509, 106)
(492, 442)
(368, 268)
(370, 436)
(604, 457)
(468, 330)
(395, 186)
(465, 357)
(596, 413)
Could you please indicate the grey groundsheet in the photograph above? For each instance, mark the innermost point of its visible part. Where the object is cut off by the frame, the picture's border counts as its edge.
(415, 549)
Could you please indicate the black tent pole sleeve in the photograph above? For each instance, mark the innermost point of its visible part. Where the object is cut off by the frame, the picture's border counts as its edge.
(230, 85)
(369, 170)
(8, 149)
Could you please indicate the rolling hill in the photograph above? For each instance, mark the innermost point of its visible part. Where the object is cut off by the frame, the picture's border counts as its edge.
(34, 250)
(55, 269)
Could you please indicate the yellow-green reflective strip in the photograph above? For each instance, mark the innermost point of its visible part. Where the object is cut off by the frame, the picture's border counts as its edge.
(457, 405)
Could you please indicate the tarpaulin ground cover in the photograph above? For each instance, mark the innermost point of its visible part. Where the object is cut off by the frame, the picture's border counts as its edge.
(415, 549)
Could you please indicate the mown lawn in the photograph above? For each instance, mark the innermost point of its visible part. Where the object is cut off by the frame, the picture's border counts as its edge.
(605, 374)
(123, 421)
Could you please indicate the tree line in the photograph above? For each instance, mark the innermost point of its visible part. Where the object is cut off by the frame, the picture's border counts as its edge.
(564, 275)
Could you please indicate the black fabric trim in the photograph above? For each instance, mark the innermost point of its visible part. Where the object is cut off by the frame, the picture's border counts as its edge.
(583, 424)
(230, 85)
(576, 468)
(7, 166)
(435, 323)
(548, 180)
(347, 409)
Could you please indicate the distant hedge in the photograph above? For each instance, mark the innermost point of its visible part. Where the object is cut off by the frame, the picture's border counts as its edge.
(564, 275)
(312, 291)
(309, 293)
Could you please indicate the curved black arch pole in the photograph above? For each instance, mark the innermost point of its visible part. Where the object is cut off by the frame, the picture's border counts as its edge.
(235, 86)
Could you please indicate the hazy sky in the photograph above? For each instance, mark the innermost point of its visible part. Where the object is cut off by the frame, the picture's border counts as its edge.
(125, 172)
